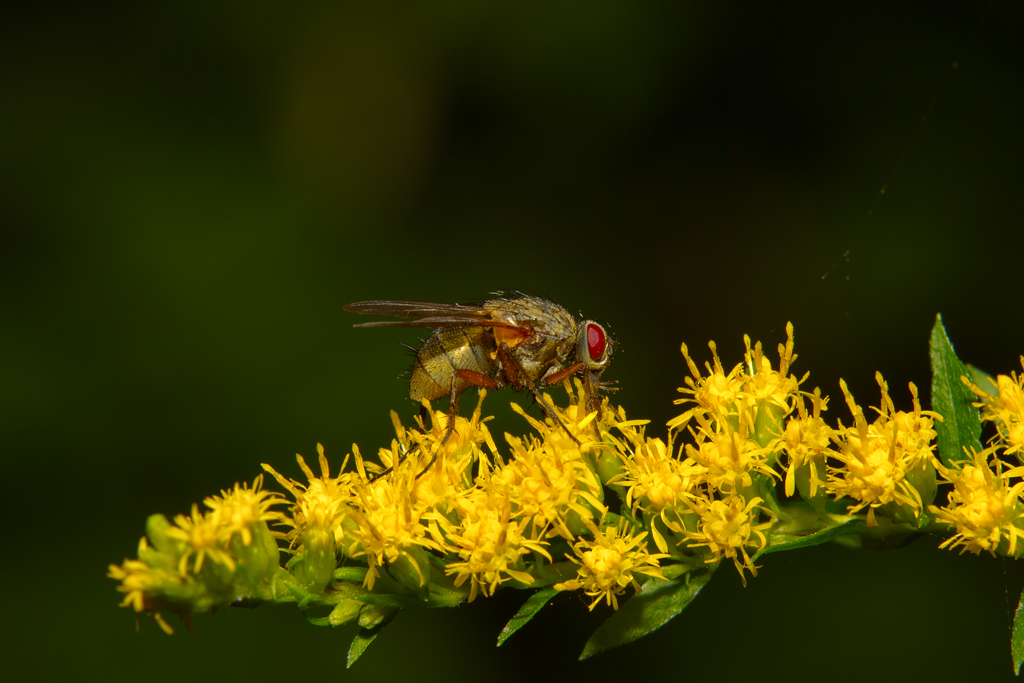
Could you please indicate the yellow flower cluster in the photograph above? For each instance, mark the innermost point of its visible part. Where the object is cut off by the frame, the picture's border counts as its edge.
(750, 460)
(488, 525)
(985, 507)
(490, 543)
(888, 464)
(710, 496)
(1005, 409)
(609, 562)
(385, 517)
(194, 562)
(752, 425)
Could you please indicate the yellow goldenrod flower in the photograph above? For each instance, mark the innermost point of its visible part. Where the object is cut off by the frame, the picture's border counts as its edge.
(551, 485)
(321, 506)
(727, 455)
(142, 584)
(1006, 410)
(137, 578)
(612, 452)
(880, 464)
(985, 509)
(204, 561)
(202, 536)
(716, 395)
(655, 480)
(575, 420)
(807, 440)
(490, 544)
(761, 383)
(912, 431)
(586, 427)
(439, 486)
(610, 562)
(317, 517)
(388, 525)
(728, 527)
(467, 437)
(241, 509)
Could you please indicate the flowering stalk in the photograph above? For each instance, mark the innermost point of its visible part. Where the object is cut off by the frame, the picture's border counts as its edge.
(751, 466)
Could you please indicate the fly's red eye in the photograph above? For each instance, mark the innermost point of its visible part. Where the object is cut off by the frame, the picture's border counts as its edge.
(595, 341)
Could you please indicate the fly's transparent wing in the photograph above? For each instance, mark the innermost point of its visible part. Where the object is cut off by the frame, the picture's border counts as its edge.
(422, 314)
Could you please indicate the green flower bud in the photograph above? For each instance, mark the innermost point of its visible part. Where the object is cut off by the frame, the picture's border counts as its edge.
(574, 521)
(345, 611)
(922, 478)
(314, 567)
(258, 560)
(609, 466)
(768, 426)
(349, 528)
(374, 615)
(802, 474)
(412, 568)
(156, 531)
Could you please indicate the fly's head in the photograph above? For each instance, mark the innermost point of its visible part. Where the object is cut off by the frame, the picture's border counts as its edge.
(594, 348)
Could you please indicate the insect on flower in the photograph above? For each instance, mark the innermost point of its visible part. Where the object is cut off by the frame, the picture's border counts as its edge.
(521, 342)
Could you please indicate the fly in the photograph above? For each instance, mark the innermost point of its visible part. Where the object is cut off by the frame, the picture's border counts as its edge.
(519, 342)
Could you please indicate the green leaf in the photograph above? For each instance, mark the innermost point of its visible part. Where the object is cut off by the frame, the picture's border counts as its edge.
(359, 645)
(960, 427)
(528, 611)
(982, 379)
(1017, 638)
(674, 571)
(646, 612)
(779, 542)
(363, 640)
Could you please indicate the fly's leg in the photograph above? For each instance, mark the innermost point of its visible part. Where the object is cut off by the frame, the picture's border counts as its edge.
(563, 374)
(566, 373)
(423, 420)
(453, 410)
(518, 378)
(474, 378)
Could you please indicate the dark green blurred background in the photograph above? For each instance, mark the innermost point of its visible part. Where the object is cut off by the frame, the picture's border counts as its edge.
(190, 192)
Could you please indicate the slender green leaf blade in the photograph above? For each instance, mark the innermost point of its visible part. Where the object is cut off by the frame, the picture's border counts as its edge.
(960, 427)
(359, 645)
(779, 542)
(528, 611)
(1017, 638)
(363, 639)
(646, 612)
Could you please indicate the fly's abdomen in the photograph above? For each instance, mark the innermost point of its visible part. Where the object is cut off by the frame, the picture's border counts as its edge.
(446, 350)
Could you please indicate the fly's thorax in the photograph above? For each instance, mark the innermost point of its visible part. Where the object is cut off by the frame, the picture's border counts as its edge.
(446, 350)
(552, 332)
(541, 353)
(540, 315)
